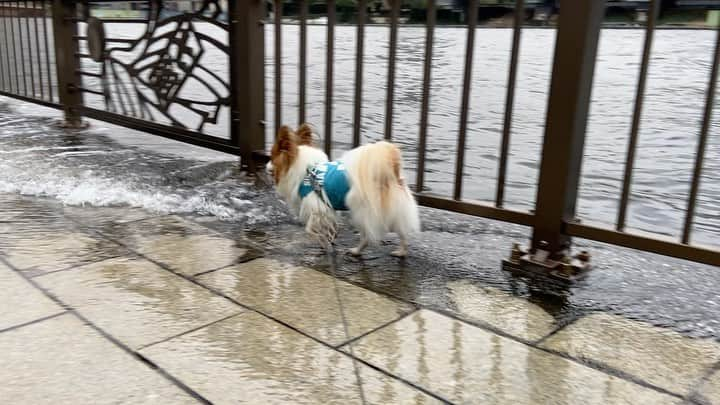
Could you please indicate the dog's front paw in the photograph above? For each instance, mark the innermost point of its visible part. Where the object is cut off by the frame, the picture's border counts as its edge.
(355, 251)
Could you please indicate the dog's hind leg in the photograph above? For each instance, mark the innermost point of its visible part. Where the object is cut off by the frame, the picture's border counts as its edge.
(357, 251)
(402, 251)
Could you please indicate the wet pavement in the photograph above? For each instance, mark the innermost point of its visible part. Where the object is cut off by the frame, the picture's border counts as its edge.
(125, 305)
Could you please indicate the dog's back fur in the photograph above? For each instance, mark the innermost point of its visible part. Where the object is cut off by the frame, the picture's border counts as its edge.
(379, 199)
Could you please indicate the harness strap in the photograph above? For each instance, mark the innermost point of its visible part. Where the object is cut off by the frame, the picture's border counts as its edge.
(317, 187)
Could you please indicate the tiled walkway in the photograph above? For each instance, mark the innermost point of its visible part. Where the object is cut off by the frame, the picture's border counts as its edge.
(116, 305)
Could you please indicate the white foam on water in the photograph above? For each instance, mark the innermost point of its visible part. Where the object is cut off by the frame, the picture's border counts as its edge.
(100, 172)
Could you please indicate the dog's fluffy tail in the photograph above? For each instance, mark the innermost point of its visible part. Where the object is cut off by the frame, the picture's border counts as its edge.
(379, 200)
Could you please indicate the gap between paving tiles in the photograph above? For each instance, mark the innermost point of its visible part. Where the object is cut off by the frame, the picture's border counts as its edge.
(388, 323)
(695, 390)
(614, 372)
(110, 338)
(75, 266)
(44, 318)
(188, 331)
(553, 332)
(244, 259)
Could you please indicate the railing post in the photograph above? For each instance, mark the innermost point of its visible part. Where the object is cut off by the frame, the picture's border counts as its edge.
(64, 13)
(247, 78)
(570, 89)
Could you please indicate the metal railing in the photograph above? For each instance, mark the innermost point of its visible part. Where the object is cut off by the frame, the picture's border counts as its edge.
(27, 52)
(147, 93)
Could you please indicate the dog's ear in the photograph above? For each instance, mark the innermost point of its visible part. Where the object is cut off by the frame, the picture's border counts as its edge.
(305, 135)
(286, 139)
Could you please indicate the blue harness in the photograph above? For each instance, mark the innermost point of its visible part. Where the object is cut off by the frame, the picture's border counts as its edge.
(330, 177)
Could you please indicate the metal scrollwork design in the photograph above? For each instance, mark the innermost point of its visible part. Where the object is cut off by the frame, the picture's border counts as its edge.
(160, 76)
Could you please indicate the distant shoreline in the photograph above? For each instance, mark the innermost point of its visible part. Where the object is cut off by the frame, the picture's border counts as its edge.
(525, 26)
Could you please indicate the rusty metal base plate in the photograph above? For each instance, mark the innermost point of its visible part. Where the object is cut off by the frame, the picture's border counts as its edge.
(64, 124)
(529, 268)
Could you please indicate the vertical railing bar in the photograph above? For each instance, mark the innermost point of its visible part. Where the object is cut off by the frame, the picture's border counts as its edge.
(278, 65)
(67, 62)
(578, 34)
(11, 83)
(329, 72)
(14, 50)
(465, 106)
(394, 15)
(3, 73)
(246, 42)
(22, 50)
(637, 113)
(37, 50)
(362, 8)
(47, 50)
(303, 60)
(431, 17)
(509, 101)
(30, 46)
(702, 142)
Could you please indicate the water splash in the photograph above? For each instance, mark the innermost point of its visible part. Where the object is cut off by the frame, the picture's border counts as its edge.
(89, 167)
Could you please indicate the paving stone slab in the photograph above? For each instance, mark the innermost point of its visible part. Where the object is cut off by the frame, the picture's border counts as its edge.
(305, 298)
(62, 361)
(33, 212)
(185, 247)
(513, 315)
(466, 364)
(39, 252)
(134, 234)
(136, 301)
(252, 359)
(193, 254)
(105, 217)
(656, 355)
(20, 302)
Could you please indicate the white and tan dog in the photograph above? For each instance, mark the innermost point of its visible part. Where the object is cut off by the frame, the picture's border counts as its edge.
(367, 181)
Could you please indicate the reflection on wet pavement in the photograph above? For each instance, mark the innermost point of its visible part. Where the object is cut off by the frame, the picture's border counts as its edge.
(181, 245)
(306, 299)
(468, 365)
(510, 314)
(234, 314)
(39, 252)
(136, 301)
(664, 358)
(265, 362)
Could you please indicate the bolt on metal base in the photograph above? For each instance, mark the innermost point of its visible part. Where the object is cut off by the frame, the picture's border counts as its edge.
(538, 263)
